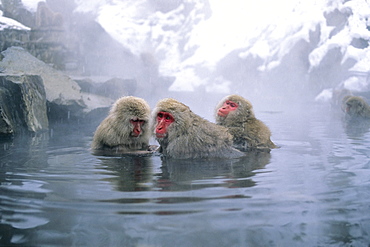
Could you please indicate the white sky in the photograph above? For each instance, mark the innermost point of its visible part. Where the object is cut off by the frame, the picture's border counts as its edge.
(30, 4)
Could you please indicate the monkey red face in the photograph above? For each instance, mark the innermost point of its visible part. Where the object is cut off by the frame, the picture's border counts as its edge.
(164, 119)
(227, 107)
(348, 108)
(137, 123)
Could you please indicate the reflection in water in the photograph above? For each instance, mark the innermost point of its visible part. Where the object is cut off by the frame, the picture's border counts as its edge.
(135, 174)
(128, 173)
(356, 127)
(345, 210)
(178, 175)
(19, 190)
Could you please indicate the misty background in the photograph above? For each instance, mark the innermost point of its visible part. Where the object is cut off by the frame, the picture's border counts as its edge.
(271, 52)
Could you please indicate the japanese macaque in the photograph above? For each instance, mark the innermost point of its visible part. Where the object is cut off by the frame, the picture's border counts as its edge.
(356, 107)
(236, 113)
(126, 128)
(184, 135)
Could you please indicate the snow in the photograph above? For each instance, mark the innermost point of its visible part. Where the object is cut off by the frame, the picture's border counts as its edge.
(355, 84)
(248, 25)
(356, 27)
(341, 40)
(189, 43)
(325, 96)
(133, 29)
(7, 23)
(363, 57)
(185, 76)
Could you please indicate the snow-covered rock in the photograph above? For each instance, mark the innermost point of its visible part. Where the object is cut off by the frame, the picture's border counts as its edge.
(193, 37)
(325, 96)
(239, 45)
(8, 23)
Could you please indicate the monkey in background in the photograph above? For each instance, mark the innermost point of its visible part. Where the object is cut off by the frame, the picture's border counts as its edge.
(184, 135)
(356, 107)
(126, 128)
(236, 113)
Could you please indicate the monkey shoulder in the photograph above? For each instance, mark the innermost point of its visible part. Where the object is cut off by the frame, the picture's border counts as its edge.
(252, 134)
(203, 128)
(204, 140)
(237, 132)
(250, 127)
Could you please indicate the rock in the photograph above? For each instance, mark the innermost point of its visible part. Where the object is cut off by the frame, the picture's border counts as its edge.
(58, 86)
(22, 104)
(117, 87)
(64, 97)
(6, 125)
(113, 88)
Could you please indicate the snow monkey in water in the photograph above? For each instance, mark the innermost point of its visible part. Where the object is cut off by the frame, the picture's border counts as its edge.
(236, 113)
(356, 107)
(184, 135)
(126, 128)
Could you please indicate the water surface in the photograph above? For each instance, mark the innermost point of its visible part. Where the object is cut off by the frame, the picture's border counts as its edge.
(312, 191)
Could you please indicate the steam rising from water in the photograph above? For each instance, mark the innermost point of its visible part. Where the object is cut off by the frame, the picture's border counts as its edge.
(277, 51)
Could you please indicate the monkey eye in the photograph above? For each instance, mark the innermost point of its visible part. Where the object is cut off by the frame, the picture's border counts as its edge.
(137, 120)
(166, 116)
(231, 104)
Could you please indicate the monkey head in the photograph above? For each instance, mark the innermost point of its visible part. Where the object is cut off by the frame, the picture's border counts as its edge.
(170, 116)
(125, 128)
(164, 119)
(233, 108)
(226, 108)
(132, 112)
(355, 106)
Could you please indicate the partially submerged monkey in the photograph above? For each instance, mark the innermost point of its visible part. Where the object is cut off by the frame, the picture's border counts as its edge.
(356, 107)
(126, 128)
(236, 113)
(184, 135)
